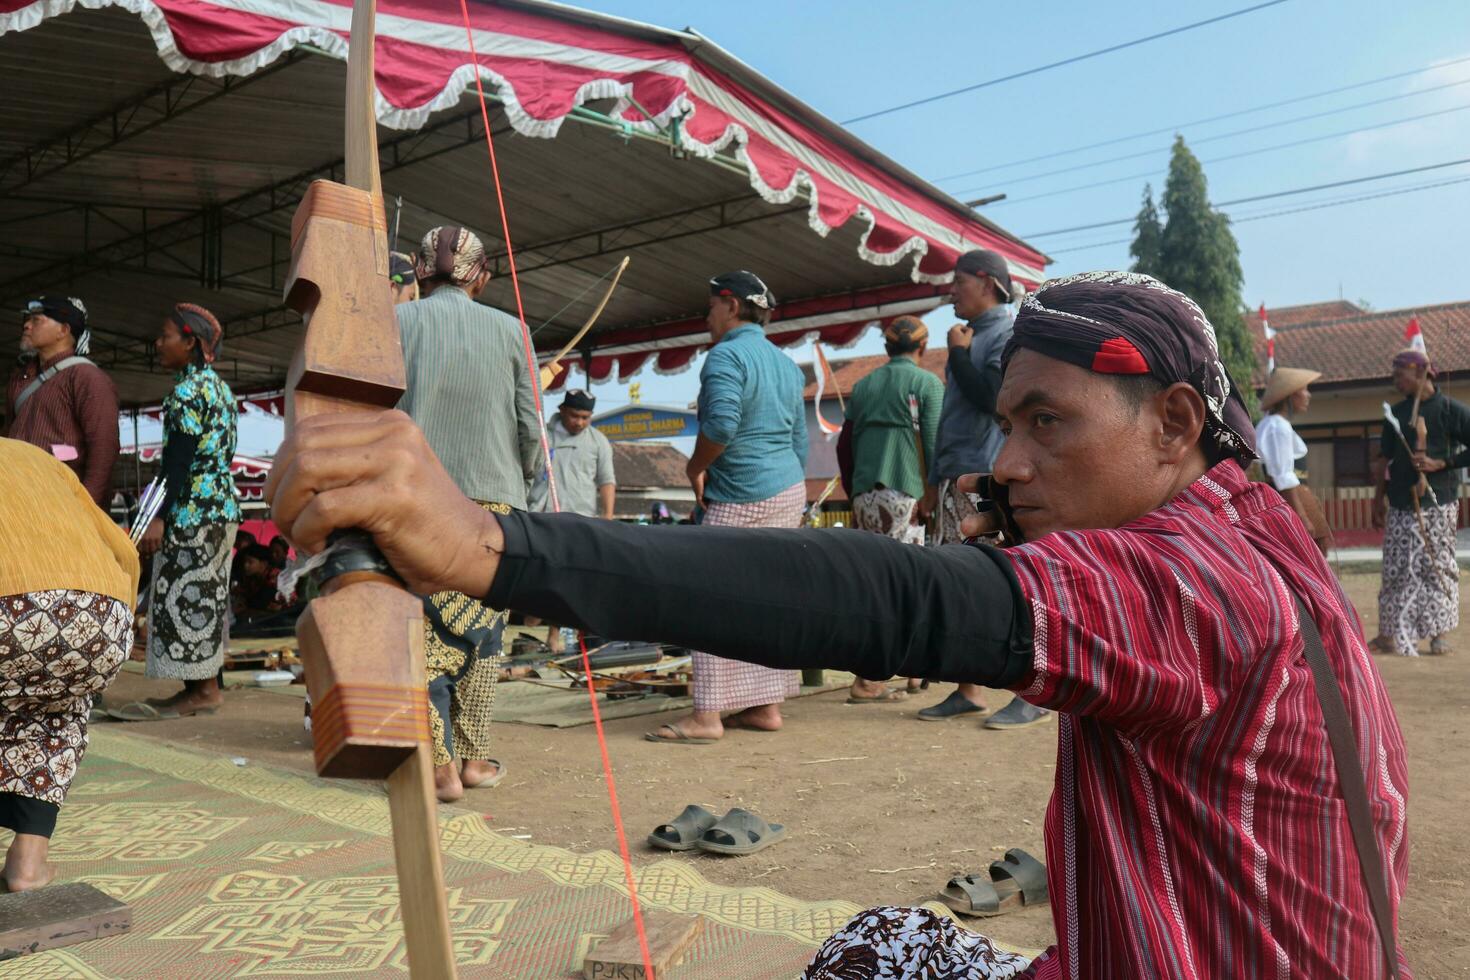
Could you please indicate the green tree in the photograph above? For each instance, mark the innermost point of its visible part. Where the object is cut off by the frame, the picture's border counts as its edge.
(1147, 236)
(1198, 256)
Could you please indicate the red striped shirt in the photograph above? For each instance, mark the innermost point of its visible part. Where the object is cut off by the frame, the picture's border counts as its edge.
(1196, 829)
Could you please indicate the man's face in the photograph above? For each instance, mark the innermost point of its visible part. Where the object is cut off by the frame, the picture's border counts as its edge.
(40, 331)
(279, 549)
(971, 295)
(1406, 379)
(254, 568)
(1077, 455)
(575, 419)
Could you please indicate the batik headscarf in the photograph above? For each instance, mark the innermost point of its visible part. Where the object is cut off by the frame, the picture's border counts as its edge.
(199, 323)
(1129, 323)
(451, 254)
(745, 286)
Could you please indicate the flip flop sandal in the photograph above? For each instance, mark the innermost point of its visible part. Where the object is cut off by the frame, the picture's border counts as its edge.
(1440, 648)
(143, 711)
(741, 832)
(1015, 883)
(1380, 645)
(952, 707)
(488, 783)
(681, 737)
(888, 696)
(683, 832)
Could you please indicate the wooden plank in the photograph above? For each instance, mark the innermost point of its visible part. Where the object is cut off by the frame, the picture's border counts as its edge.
(619, 956)
(58, 915)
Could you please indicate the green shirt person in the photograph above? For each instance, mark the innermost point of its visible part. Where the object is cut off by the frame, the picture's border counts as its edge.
(879, 447)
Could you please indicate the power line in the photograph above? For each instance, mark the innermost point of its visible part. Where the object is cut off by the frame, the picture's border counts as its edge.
(1208, 119)
(1339, 202)
(1236, 156)
(1264, 197)
(1066, 61)
(1011, 181)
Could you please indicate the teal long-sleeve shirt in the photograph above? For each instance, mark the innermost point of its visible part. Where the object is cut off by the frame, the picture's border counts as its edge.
(883, 446)
(750, 403)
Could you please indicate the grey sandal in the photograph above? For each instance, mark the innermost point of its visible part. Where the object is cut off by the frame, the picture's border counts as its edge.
(1015, 883)
(741, 832)
(683, 832)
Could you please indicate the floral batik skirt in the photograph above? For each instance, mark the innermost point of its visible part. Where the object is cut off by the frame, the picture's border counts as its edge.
(58, 650)
(462, 640)
(189, 602)
(911, 944)
(1419, 596)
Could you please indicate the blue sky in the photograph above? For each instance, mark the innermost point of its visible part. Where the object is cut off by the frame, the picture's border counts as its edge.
(850, 58)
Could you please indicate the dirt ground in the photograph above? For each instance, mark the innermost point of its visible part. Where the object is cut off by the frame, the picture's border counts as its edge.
(882, 808)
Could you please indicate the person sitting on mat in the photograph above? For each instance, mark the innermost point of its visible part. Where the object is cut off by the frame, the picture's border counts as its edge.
(68, 582)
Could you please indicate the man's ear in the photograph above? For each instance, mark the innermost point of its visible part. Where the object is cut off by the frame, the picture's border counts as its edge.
(1181, 412)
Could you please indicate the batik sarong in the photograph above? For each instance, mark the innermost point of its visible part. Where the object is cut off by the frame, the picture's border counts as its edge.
(888, 512)
(462, 663)
(58, 650)
(189, 602)
(731, 685)
(1420, 593)
(909, 944)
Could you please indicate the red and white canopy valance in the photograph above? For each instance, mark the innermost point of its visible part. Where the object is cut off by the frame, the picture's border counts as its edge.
(544, 61)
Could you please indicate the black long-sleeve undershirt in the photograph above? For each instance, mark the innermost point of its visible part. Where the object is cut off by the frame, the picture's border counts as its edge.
(842, 599)
(980, 386)
(178, 460)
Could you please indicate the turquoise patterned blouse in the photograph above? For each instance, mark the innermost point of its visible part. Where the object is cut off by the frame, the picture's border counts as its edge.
(202, 405)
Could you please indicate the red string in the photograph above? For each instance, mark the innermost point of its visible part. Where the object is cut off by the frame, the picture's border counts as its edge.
(607, 772)
(617, 811)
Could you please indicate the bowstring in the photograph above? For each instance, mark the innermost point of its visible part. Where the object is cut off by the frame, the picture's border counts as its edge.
(607, 772)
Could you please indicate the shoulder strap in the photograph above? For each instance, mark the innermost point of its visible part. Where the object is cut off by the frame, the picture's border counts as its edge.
(1351, 778)
(46, 376)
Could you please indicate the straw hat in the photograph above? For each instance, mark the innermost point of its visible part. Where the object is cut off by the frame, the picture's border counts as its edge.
(1286, 382)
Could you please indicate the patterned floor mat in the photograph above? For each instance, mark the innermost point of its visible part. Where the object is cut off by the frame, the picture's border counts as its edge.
(249, 871)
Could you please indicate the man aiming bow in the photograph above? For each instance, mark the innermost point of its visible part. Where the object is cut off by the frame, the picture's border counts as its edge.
(1166, 607)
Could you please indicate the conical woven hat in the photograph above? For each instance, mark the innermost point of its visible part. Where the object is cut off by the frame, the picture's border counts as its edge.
(1286, 382)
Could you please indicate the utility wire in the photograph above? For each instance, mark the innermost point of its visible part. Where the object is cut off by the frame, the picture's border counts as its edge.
(1277, 214)
(1012, 181)
(1236, 156)
(1208, 119)
(1264, 197)
(1066, 61)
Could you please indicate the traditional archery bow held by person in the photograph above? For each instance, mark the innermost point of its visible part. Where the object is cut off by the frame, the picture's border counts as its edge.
(1178, 617)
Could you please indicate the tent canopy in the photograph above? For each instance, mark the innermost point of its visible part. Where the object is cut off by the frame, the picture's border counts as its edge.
(155, 150)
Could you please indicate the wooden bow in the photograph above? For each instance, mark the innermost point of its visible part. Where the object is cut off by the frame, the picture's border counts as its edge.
(548, 371)
(362, 639)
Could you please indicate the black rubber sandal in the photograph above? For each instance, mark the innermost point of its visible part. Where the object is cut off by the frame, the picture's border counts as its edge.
(741, 832)
(1015, 883)
(683, 832)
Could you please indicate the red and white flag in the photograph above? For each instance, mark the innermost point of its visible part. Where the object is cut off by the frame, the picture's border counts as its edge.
(823, 370)
(1414, 337)
(1270, 341)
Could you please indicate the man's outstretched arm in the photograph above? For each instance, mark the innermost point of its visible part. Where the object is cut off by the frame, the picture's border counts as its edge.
(845, 600)
(842, 599)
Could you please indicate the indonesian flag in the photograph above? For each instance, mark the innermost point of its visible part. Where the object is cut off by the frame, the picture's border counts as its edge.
(1414, 337)
(823, 371)
(1270, 341)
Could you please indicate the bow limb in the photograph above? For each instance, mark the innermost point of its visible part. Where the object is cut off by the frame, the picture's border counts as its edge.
(548, 370)
(362, 638)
